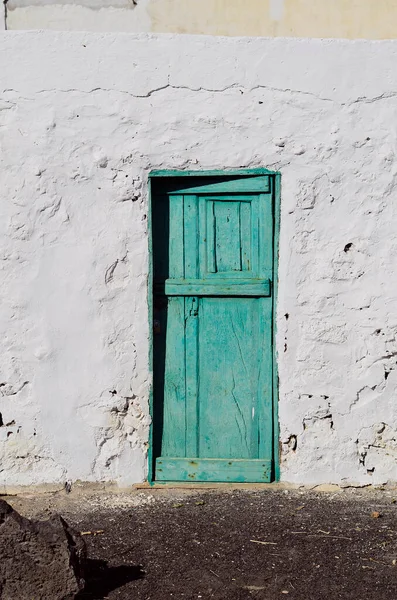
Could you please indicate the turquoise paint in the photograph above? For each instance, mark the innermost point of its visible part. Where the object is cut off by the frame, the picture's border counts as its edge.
(276, 247)
(150, 309)
(190, 267)
(213, 470)
(226, 287)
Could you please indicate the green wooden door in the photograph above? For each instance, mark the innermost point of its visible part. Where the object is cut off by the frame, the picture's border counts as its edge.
(213, 270)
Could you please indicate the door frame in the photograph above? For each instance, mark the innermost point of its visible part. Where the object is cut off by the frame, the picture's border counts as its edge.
(167, 173)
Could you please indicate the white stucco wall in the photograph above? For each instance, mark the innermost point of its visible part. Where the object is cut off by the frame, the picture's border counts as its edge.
(83, 118)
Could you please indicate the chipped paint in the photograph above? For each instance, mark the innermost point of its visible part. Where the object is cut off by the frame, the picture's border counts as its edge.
(78, 142)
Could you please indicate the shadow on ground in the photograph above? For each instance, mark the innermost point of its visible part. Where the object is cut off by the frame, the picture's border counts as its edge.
(102, 579)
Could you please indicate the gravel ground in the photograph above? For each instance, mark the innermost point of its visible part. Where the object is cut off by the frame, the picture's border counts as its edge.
(233, 544)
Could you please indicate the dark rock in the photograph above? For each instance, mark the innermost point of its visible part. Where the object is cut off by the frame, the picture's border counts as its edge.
(40, 560)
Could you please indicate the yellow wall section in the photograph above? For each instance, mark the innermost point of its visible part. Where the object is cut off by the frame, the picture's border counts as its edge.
(374, 19)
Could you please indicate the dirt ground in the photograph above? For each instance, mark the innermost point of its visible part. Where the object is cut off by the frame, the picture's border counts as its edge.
(232, 544)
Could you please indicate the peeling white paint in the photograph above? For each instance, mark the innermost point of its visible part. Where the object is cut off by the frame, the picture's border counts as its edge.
(83, 118)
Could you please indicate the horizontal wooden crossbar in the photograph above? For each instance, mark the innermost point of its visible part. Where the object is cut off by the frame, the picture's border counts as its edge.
(252, 185)
(222, 287)
(213, 469)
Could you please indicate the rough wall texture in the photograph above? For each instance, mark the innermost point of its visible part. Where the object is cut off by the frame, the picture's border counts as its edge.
(83, 118)
(297, 18)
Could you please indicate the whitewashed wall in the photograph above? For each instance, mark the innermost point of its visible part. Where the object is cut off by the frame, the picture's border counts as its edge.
(83, 118)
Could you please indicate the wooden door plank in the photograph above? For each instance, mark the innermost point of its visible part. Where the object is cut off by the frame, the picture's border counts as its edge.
(209, 240)
(216, 470)
(190, 237)
(265, 229)
(265, 329)
(227, 355)
(265, 377)
(192, 404)
(173, 441)
(227, 238)
(255, 237)
(205, 266)
(251, 185)
(245, 237)
(222, 287)
(191, 323)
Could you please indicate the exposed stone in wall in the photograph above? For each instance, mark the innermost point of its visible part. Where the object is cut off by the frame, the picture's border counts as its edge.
(377, 450)
(83, 118)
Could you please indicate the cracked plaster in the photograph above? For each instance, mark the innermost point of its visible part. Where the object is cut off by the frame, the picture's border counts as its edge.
(83, 118)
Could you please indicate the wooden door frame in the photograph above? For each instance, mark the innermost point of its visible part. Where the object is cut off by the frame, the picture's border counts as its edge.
(164, 174)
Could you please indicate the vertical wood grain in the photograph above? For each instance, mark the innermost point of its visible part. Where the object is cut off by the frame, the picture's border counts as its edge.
(174, 409)
(227, 238)
(191, 228)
